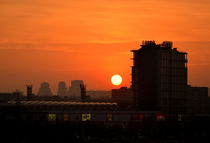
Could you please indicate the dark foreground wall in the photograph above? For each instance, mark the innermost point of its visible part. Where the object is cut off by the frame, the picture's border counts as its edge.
(34, 132)
(15, 129)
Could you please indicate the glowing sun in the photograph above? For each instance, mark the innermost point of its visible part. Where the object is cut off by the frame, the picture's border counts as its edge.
(116, 79)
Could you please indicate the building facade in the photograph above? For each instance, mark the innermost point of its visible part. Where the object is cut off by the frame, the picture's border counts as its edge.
(197, 100)
(123, 97)
(159, 77)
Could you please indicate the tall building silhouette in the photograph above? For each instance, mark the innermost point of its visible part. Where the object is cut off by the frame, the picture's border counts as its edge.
(45, 90)
(159, 77)
(75, 90)
(62, 89)
(29, 91)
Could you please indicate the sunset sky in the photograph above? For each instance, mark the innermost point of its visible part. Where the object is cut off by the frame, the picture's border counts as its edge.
(63, 40)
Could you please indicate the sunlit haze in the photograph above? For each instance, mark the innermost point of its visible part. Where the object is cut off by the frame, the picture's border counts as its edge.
(52, 41)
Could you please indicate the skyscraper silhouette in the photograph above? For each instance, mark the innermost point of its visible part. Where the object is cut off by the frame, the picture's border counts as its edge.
(62, 89)
(159, 77)
(75, 90)
(45, 90)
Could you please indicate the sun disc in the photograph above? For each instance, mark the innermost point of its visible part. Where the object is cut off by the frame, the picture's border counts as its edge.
(116, 79)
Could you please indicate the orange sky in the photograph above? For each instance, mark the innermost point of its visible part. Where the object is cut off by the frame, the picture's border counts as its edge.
(51, 40)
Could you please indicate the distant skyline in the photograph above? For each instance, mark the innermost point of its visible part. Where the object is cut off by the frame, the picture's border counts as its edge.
(91, 40)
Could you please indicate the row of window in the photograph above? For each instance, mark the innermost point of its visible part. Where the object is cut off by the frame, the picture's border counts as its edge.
(109, 117)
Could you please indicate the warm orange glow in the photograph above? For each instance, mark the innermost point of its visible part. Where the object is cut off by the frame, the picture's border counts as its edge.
(116, 79)
(51, 40)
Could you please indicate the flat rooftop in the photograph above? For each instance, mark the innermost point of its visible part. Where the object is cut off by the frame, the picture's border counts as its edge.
(64, 103)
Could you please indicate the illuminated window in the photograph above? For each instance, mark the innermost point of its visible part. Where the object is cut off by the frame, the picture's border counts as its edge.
(179, 117)
(66, 117)
(109, 117)
(141, 117)
(52, 117)
(160, 117)
(86, 117)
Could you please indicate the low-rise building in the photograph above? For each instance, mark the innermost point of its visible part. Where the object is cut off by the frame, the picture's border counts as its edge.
(123, 97)
(197, 100)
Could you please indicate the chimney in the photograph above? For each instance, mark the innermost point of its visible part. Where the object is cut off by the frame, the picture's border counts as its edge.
(29, 91)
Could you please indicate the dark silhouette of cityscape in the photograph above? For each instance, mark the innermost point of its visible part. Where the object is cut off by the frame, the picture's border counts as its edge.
(159, 106)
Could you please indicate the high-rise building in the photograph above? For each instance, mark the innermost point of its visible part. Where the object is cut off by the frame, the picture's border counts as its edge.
(45, 90)
(62, 89)
(75, 90)
(159, 77)
(208, 92)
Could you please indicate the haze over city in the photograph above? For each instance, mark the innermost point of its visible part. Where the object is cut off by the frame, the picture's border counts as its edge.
(91, 40)
(107, 71)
